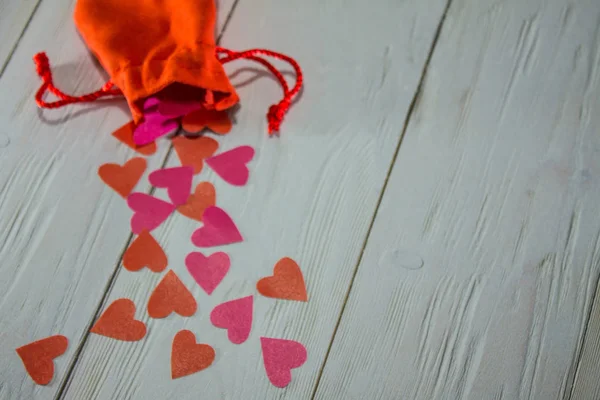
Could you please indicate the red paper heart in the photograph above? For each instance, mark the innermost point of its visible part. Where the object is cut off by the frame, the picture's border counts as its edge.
(193, 151)
(122, 179)
(145, 252)
(286, 283)
(187, 357)
(125, 135)
(177, 181)
(236, 317)
(38, 357)
(231, 165)
(149, 212)
(203, 197)
(216, 121)
(118, 322)
(171, 295)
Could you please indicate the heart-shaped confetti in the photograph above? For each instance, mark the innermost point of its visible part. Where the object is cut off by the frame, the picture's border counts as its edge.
(153, 128)
(118, 322)
(216, 121)
(286, 283)
(188, 357)
(236, 317)
(231, 165)
(177, 181)
(38, 357)
(145, 251)
(122, 179)
(171, 295)
(193, 151)
(280, 357)
(208, 271)
(149, 212)
(125, 135)
(218, 230)
(204, 196)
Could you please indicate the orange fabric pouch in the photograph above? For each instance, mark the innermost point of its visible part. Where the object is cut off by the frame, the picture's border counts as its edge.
(147, 46)
(165, 48)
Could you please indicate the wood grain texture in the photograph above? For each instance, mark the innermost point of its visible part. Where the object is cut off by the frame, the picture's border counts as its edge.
(311, 196)
(587, 384)
(63, 229)
(14, 15)
(478, 276)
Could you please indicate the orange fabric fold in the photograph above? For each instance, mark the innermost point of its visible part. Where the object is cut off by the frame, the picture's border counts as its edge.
(152, 46)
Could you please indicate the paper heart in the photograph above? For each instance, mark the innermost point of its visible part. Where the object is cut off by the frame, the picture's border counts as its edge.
(208, 271)
(236, 317)
(153, 127)
(178, 108)
(280, 357)
(286, 283)
(218, 230)
(118, 322)
(125, 135)
(122, 179)
(231, 165)
(149, 212)
(145, 251)
(204, 196)
(171, 295)
(187, 357)
(178, 182)
(193, 151)
(216, 121)
(38, 357)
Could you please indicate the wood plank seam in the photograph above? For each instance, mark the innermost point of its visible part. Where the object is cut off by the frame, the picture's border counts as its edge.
(413, 106)
(16, 44)
(579, 355)
(64, 385)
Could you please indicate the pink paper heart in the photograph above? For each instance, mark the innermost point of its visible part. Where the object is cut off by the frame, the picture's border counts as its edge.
(280, 357)
(178, 182)
(208, 271)
(176, 109)
(152, 128)
(231, 165)
(218, 230)
(149, 212)
(236, 317)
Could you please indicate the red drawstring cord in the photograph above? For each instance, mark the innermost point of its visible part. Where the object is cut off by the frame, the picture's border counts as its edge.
(274, 116)
(42, 66)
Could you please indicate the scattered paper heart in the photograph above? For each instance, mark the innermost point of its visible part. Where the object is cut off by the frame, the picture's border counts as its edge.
(122, 179)
(118, 322)
(193, 151)
(38, 357)
(218, 230)
(171, 295)
(188, 357)
(149, 212)
(216, 121)
(204, 196)
(208, 271)
(153, 127)
(231, 165)
(280, 357)
(125, 135)
(286, 283)
(145, 251)
(236, 317)
(177, 181)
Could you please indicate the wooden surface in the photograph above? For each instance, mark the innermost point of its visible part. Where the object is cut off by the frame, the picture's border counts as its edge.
(469, 272)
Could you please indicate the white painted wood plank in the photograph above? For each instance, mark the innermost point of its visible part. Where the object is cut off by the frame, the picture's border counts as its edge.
(311, 196)
(63, 229)
(587, 379)
(14, 15)
(480, 270)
